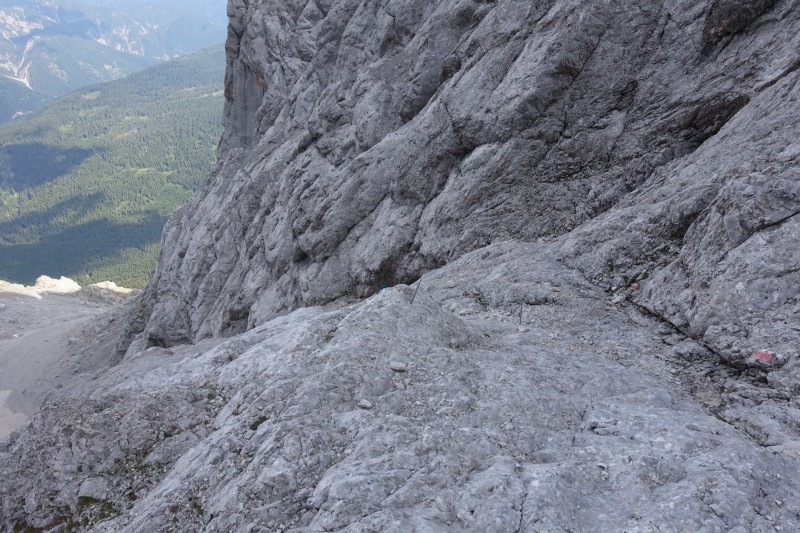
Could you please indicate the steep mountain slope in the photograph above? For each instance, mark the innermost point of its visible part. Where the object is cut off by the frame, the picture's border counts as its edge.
(54, 47)
(365, 144)
(86, 184)
(17, 99)
(436, 415)
(597, 202)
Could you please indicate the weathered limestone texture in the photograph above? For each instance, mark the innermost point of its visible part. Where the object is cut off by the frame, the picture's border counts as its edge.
(368, 141)
(598, 202)
(577, 420)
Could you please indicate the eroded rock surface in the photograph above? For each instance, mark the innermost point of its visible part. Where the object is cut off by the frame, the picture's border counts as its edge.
(601, 199)
(369, 141)
(572, 414)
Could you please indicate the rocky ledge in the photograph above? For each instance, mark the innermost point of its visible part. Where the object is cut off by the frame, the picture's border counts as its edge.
(463, 266)
(504, 392)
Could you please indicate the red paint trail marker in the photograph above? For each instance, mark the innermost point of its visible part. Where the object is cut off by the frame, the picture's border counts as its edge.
(764, 357)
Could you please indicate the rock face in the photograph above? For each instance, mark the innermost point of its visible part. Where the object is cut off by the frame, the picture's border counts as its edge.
(577, 420)
(601, 201)
(367, 142)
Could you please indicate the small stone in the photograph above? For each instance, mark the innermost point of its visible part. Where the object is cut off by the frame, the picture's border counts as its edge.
(778, 503)
(508, 426)
(717, 510)
(522, 329)
(95, 488)
(365, 404)
(398, 366)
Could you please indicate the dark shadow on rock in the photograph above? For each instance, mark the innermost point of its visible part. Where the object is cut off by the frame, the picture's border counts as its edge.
(729, 17)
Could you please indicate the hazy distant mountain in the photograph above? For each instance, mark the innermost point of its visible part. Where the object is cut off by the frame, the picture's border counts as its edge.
(51, 47)
(87, 182)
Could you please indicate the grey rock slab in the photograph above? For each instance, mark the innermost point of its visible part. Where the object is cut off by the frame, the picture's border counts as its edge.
(725, 274)
(495, 430)
(95, 488)
(646, 154)
(366, 143)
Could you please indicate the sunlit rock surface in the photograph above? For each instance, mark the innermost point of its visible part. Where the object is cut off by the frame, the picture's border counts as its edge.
(596, 203)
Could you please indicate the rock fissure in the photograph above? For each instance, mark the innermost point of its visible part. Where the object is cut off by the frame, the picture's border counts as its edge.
(791, 69)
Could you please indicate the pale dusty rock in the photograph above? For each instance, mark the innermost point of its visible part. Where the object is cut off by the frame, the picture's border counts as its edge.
(365, 404)
(494, 431)
(62, 285)
(619, 177)
(106, 291)
(10, 420)
(398, 366)
(42, 330)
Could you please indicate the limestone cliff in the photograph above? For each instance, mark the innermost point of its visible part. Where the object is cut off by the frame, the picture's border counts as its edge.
(367, 142)
(598, 203)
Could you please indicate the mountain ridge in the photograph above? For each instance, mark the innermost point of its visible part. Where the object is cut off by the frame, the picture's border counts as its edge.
(52, 48)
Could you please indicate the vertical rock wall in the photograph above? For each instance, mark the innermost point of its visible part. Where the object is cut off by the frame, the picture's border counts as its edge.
(367, 141)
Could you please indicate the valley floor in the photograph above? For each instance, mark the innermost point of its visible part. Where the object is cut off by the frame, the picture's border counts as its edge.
(39, 335)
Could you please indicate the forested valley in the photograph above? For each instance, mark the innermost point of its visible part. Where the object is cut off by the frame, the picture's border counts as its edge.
(87, 183)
